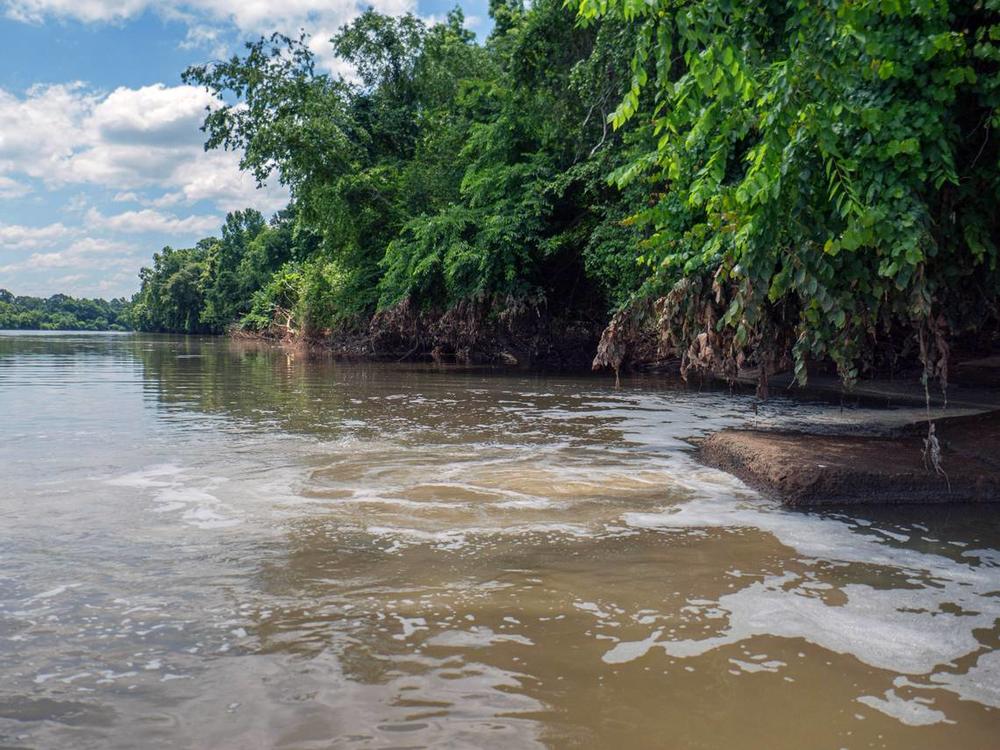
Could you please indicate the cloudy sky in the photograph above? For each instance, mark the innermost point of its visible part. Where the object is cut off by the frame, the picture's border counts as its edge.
(101, 160)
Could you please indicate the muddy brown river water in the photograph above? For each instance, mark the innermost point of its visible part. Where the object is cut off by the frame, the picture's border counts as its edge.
(209, 545)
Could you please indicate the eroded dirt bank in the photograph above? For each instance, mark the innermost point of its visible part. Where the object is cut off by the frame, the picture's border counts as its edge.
(810, 470)
(525, 335)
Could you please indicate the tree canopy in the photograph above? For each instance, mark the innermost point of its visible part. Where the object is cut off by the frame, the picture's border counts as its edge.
(820, 174)
(447, 175)
(62, 312)
(747, 185)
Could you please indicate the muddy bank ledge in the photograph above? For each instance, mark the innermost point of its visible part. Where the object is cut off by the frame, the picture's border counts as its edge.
(524, 335)
(801, 469)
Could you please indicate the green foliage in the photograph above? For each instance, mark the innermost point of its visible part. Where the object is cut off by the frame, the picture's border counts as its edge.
(449, 171)
(172, 294)
(529, 198)
(827, 164)
(797, 179)
(230, 275)
(62, 313)
(216, 284)
(325, 295)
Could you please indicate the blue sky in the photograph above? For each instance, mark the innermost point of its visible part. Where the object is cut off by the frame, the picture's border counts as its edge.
(101, 163)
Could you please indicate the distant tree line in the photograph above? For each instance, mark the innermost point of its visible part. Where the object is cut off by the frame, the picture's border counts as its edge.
(62, 312)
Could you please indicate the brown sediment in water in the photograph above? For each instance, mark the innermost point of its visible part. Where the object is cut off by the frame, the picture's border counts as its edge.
(257, 548)
(811, 470)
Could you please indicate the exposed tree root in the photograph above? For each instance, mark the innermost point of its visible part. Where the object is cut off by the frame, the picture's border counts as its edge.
(513, 331)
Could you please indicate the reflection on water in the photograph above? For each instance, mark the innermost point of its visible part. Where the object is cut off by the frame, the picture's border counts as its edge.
(209, 545)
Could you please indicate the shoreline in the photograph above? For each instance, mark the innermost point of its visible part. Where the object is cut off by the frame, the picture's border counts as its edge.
(803, 470)
(875, 463)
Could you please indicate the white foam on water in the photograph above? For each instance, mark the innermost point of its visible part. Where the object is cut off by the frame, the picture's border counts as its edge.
(477, 637)
(810, 535)
(157, 475)
(626, 651)
(751, 667)
(890, 629)
(53, 592)
(592, 608)
(456, 539)
(534, 503)
(918, 629)
(980, 684)
(72, 678)
(410, 625)
(913, 713)
(399, 502)
(990, 557)
(207, 518)
(172, 491)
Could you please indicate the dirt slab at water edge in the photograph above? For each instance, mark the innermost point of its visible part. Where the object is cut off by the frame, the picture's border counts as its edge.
(802, 469)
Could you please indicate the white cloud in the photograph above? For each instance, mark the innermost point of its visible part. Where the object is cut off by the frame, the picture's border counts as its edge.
(77, 203)
(154, 115)
(322, 18)
(216, 177)
(89, 253)
(130, 140)
(205, 37)
(35, 11)
(263, 15)
(18, 237)
(37, 131)
(98, 246)
(148, 220)
(10, 188)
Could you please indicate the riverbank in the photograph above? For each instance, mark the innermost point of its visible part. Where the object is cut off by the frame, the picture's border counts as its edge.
(524, 336)
(822, 469)
(877, 460)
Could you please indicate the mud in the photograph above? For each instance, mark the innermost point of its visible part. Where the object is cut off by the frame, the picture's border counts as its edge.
(821, 469)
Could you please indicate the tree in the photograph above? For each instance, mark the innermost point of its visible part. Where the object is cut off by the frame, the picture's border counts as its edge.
(171, 298)
(819, 176)
(448, 176)
(229, 281)
(62, 312)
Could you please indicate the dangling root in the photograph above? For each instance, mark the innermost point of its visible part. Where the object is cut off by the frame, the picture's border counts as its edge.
(623, 336)
(934, 350)
(932, 454)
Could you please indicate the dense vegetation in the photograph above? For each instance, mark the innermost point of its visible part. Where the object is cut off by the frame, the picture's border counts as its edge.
(60, 312)
(453, 197)
(244, 278)
(742, 184)
(822, 178)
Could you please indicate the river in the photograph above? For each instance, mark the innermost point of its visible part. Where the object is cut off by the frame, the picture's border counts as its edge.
(205, 544)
